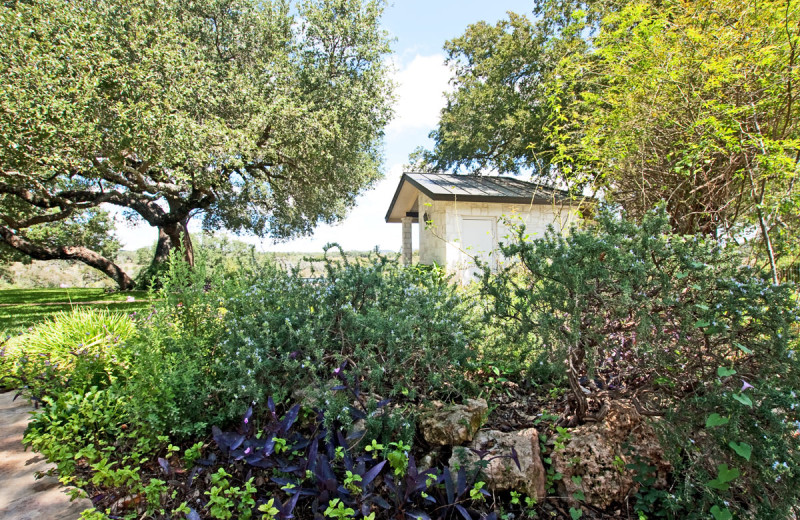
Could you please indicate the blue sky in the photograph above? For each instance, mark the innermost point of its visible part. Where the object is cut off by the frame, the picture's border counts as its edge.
(420, 29)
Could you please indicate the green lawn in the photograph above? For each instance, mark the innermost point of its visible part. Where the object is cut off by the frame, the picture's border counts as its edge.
(21, 308)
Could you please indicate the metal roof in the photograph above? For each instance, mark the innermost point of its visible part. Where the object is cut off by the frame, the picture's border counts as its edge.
(472, 188)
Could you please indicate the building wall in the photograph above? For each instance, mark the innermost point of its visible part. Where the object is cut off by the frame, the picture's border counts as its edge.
(441, 240)
(432, 234)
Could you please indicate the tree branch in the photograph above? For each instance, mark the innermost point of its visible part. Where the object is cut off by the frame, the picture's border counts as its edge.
(79, 253)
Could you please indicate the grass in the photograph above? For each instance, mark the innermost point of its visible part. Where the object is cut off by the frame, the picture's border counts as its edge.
(22, 308)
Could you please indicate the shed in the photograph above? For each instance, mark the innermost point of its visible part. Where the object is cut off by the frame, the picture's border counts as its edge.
(465, 216)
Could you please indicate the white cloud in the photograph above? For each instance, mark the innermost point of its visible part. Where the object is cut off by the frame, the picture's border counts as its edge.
(420, 93)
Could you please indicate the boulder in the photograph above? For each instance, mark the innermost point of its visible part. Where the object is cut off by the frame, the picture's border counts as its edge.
(501, 473)
(598, 453)
(452, 424)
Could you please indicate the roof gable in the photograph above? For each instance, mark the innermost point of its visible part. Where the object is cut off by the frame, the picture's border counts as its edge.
(468, 188)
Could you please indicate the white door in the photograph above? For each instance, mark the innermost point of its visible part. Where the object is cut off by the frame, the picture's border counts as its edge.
(477, 239)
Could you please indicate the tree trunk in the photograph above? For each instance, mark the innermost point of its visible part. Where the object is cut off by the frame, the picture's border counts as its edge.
(169, 237)
(79, 253)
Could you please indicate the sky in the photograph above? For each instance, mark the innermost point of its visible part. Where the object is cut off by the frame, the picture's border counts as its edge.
(420, 29)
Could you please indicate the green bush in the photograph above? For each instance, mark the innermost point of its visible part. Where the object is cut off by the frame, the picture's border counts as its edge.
(506, 353)
(172, 379)
(399, 332)
(74, 350)
(678, 325)
(217, 343)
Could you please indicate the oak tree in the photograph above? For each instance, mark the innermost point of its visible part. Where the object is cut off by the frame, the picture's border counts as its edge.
(254, 116)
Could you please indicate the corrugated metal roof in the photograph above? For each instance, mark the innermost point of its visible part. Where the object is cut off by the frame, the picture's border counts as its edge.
(439, 186)
(471, 188)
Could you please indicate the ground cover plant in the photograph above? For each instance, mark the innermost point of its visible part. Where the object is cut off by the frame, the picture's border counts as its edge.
(250, 392)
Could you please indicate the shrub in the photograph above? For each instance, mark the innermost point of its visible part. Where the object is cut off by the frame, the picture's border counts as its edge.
(74, 350)
(507, 354)
(215, 343)
(681, 327)
(399, 332)
(172, 378)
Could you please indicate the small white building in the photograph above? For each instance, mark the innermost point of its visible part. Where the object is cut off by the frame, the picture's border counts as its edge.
(464, 216)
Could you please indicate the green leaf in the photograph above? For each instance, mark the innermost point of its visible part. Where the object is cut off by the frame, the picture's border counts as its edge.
(725, 372)
(743, 449)
(702, 324)
(679, 275)
(724, 476)
(743, 348)
(745, 400)
(575, 513)
(721, 514)
(715, 420)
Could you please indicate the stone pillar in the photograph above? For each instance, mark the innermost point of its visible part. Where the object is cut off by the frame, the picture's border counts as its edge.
(406, 249)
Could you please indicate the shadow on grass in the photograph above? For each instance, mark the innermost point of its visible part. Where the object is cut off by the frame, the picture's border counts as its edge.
(26, 307)
(14, 296)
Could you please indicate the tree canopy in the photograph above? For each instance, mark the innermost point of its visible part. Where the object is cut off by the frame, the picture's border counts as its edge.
(687, 104)
(691, 104)
(496, 116)
(260, 117)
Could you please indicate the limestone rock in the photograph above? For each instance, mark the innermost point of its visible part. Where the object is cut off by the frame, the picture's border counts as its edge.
(598, 453)
(502, 473)
(453, 424)
(428, 460)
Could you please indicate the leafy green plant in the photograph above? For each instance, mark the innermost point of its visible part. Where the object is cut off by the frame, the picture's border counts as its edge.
(683, 328)
(352, 482)
(94, 514)
(89, 425)
(193, 453)
(154, 491)
(74, 350)
(337, 509)
(108, 473)
(225, 499)
(398, 457)
(476, 493)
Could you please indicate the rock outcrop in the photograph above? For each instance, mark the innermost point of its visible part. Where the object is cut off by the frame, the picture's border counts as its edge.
(501, 473)
(599, 453)
(452, 424)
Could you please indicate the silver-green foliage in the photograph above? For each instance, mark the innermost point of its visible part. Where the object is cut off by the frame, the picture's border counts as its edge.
(401, 333)
(216, 344)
